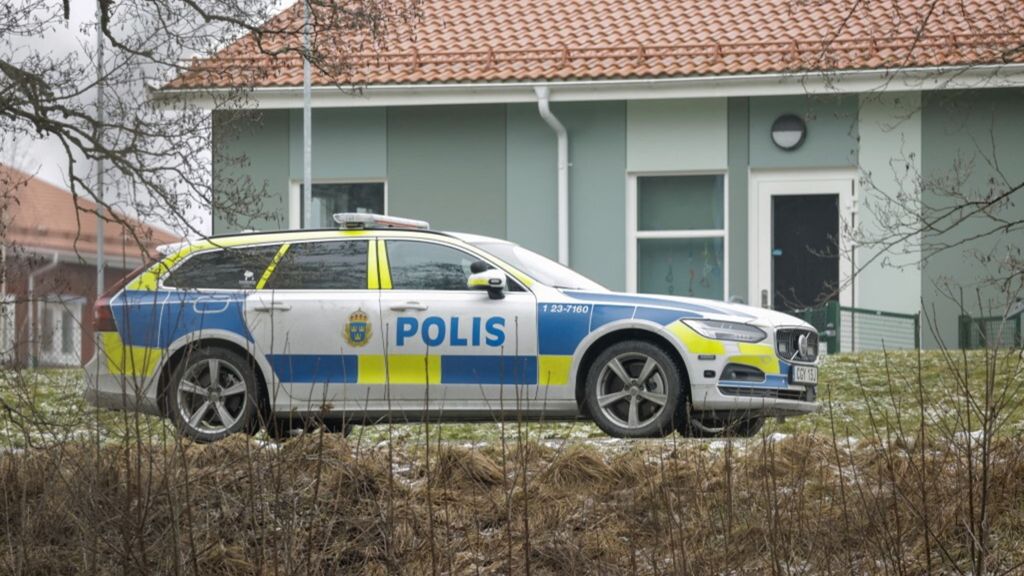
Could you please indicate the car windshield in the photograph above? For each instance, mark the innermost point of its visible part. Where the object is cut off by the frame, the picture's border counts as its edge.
(540, 268)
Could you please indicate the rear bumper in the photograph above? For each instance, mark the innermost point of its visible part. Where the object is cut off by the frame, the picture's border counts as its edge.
(120, 392)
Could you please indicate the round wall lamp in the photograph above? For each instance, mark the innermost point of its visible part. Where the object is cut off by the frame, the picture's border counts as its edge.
(789, 131)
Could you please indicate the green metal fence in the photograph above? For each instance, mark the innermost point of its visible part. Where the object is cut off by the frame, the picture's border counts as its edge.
(848, 329)
(990, 331)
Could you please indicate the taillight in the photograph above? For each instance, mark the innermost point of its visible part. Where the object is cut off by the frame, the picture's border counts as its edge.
(102, 313)
(103, 316)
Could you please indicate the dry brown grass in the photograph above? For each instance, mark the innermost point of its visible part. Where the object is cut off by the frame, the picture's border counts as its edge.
(321, 505)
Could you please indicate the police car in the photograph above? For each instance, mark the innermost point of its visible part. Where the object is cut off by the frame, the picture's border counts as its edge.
(386, 318)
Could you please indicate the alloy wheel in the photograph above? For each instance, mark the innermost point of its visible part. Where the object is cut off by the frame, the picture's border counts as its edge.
(212, 396)
(631, 390)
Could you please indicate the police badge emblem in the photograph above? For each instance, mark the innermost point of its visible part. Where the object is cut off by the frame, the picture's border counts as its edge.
(358, 330)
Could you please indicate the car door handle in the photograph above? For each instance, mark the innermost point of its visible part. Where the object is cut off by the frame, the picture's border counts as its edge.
(409, 306)
(272, 308)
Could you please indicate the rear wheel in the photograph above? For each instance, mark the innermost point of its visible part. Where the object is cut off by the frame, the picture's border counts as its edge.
(213, 394)
(634, 390)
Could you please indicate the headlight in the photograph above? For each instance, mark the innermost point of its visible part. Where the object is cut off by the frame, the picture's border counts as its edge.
(719, 330)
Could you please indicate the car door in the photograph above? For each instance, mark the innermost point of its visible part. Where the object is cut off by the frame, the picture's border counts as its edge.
(456, 346)
(314, 315)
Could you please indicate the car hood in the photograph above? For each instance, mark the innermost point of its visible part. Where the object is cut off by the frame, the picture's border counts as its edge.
(699, 307)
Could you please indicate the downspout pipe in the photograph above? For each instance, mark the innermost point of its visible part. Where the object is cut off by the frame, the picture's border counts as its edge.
(544, 108)
(34, 308)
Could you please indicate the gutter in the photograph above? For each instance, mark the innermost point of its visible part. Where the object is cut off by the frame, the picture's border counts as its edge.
(736, 85)
(33, 308)
(544, 108)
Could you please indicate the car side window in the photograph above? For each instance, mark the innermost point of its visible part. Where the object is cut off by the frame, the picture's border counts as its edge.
(226, 268)
(336, 265)
(427, 266)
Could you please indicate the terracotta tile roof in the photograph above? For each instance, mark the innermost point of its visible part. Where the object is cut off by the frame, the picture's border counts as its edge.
(42, 216)
(529, 40)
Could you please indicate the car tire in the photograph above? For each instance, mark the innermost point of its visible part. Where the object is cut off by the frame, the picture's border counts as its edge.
(742, 427)
(207, 409)
(634, 389)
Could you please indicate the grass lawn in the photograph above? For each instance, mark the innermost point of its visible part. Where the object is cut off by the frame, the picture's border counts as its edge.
(559, 497)
(861, 394)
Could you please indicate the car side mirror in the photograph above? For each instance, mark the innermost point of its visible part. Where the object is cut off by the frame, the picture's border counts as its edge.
(491, 280)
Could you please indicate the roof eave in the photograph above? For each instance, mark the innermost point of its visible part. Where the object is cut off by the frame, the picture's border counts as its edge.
(962, 77)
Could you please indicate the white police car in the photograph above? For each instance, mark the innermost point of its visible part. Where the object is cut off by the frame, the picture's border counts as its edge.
(386, 318)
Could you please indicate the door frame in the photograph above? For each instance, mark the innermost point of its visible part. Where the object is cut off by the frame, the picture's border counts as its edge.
(763, 187)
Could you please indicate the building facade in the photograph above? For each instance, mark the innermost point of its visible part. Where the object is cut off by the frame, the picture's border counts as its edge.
(767, 187)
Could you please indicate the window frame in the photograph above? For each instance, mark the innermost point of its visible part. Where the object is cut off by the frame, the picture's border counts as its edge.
(634, 234)
(295, 200)
(384, 263)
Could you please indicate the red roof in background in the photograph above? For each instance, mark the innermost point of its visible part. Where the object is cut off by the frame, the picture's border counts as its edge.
(42, 216)
(459, 41)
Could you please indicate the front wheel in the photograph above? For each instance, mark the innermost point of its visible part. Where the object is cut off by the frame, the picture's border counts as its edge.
(213, 394)
(634, 390)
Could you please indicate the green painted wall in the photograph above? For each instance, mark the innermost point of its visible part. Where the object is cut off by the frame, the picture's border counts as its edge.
(597, 189)
(532, 181)
(890, 164)
(597, 185)
(250, 163)
(831, 132)
(971, 143)
(739, 162)
(348, 144)
(446, 164)
(676, 135)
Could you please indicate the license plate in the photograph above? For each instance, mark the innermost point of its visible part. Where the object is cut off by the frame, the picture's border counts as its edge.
(805, 375)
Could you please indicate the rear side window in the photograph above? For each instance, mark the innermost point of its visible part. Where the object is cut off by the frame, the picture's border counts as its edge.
(339, 265)
(227, 268)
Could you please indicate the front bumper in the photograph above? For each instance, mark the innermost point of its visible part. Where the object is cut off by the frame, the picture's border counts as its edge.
(789, 401)
(730, 377)
(119, 392)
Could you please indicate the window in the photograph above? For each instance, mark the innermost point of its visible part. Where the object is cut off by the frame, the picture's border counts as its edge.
(427, 266)
(330, 198)
(339, 265)
(58, 330)
(68, 325)
(229, 268)
(679, 240)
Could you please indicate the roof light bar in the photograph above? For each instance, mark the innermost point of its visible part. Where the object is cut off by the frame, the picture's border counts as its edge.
(366, 221)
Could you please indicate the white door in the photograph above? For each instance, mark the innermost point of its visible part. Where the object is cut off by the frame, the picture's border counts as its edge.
(471, 349)
(316, 321)
(775, 271)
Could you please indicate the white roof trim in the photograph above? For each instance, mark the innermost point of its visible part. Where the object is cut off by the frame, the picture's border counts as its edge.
(83, 257)
(842, 82)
